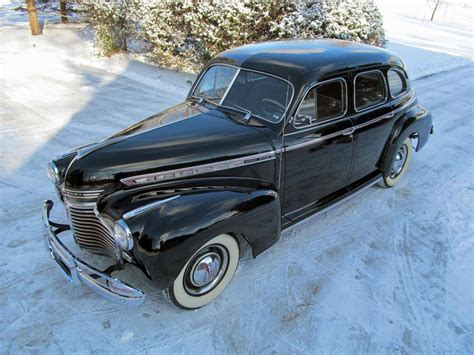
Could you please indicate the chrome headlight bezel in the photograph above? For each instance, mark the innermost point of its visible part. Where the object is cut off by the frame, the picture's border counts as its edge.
(122, 235)
(53, 173)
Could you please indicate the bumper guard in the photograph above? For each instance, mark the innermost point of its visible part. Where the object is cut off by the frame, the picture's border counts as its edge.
(77, 271)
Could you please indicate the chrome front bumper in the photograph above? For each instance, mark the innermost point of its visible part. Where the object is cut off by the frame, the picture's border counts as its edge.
(77, 271)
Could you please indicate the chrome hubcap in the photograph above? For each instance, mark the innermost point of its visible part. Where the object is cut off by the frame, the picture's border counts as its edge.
(206, 270)
(399, 162)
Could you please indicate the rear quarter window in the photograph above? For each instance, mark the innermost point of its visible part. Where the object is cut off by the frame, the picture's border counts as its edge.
(397, 82)
(369, 90)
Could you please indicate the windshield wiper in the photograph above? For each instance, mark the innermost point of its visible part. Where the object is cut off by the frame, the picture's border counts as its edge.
(200, 100)
(248, 113)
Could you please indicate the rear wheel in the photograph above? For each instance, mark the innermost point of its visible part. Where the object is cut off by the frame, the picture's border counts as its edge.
(400, 162)
(206, 274)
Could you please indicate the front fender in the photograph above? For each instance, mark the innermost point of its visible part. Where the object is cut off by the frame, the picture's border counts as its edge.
(167, 235)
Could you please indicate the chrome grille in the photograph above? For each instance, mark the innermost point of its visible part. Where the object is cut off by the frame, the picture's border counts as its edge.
(90, 233)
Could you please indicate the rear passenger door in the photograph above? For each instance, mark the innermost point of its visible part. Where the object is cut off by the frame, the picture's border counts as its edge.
(373, 121)
(318, 148)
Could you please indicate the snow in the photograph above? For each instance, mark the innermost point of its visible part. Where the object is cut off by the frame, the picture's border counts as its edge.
(14, 13)
(388, 271)
(429, 47)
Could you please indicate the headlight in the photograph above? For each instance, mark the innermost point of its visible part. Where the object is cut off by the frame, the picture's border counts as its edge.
(123, 236)
(53, 173)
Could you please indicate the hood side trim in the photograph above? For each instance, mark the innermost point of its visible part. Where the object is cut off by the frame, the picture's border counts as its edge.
(198, 169)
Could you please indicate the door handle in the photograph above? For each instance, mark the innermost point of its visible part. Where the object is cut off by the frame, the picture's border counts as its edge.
(348, 131)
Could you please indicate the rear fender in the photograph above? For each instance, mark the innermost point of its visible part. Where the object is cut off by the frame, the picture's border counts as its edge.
(416, 122)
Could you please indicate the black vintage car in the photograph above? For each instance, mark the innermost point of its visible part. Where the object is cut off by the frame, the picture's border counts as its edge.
(269, 134)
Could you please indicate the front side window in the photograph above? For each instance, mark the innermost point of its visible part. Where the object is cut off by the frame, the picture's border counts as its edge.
(321, 103)
(396, 82)
(369, 90)
(214, 83)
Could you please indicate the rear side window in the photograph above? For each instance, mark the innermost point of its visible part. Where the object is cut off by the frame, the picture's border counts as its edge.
(369, 90)
(323, 102)
(396, 83)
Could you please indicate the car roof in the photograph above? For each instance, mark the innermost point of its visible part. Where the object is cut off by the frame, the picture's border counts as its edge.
(307, 60)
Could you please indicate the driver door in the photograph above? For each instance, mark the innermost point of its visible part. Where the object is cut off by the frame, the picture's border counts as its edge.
(318, 149)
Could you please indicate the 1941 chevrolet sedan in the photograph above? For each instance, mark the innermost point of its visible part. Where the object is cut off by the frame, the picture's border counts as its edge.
(269, 134)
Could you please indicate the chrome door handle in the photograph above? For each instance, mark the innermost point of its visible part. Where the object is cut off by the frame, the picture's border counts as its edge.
(388, 115)
(348, 132)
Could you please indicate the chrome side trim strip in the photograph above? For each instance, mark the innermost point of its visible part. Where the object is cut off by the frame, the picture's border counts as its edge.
(377, 119)
(345, 132)
(198, 169)
(143, 209)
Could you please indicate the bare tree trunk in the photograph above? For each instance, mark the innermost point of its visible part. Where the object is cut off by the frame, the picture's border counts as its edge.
(33, 15)
(435, 8)
(62, 5)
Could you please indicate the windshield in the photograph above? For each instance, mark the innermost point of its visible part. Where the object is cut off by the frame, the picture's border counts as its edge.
(214, 83)
(261, 95)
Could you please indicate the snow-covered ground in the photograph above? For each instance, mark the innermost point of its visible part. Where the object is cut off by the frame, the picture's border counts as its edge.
(390, 271)
(429, 47)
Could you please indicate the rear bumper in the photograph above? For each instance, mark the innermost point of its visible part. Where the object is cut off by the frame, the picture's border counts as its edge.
(77, 271)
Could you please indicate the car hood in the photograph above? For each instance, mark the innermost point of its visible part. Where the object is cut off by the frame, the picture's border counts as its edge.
(182, 136)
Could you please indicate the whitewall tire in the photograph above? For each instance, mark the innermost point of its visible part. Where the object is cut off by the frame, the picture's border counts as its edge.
(207, 273)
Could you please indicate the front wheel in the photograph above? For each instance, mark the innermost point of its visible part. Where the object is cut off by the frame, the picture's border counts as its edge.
(400, 163)
(206, 274)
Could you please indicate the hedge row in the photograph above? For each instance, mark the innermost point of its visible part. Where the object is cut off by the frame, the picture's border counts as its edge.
(184, 35)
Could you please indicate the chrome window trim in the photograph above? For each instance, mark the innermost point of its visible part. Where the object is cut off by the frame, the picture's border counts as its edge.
(411, 91)
(239, 69)
(378, 103)
(404, 78)
(350, 130)
(314, 85)
(168, 175)
(193, 89)
(230, 86)
(137, 211)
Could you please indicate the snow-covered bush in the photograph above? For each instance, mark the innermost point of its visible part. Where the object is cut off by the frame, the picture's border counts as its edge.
(108, 19)
(355, 20)
(185, 34)
(300, 19)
